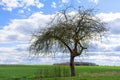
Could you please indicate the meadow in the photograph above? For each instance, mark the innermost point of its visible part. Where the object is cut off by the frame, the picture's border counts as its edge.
(52, 72)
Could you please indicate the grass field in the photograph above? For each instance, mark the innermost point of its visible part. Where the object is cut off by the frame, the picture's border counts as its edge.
(32, 72)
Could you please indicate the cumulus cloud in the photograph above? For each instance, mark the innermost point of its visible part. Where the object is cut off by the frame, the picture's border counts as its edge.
(109, 16)
(15, 37)
(107, 44)
(94, 1)
(115, 26)
(111, 42)
(101, 58)
(65, 1)
(117, 48)
(18, 54)
(14, 54)
(21, 11)
(13, 4)
(53, 5)
(112, 20)
(21, 29)
(78, 1)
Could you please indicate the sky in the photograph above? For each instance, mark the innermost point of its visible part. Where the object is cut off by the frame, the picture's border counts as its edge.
(20, 18)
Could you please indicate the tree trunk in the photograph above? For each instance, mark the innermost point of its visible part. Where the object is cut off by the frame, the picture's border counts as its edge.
(72, 67)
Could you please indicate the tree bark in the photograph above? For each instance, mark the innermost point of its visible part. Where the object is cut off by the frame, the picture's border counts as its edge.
(72, 67)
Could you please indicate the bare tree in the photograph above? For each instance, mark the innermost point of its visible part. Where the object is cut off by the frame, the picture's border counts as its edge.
(71, 29)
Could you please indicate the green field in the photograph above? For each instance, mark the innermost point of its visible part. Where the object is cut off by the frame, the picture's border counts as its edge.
(33, 72)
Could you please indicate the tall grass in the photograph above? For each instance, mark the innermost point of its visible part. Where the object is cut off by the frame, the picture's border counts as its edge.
(55, 71)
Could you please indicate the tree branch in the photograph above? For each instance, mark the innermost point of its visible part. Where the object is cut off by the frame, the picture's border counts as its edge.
(63, 43)
(82, 46)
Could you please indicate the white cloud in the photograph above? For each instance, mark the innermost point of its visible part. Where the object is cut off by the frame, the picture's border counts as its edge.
(78, 1)
(21, 29)
(65, 1)
(114, 26)
(6, 50)
(109, 16)
(13, 4)
(9, 4)
(53, 5)
(18, 54)
(21, 11)
(94, 1)
(15, 37)
(111, 41)
(104, 58)
(112, 20)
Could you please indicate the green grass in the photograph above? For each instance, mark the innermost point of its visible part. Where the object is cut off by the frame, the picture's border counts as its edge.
(32, 72)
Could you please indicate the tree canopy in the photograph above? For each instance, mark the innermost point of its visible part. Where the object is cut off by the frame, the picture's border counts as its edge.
(70, 30)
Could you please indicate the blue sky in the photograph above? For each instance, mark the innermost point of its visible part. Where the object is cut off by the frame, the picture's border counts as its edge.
(20, 18)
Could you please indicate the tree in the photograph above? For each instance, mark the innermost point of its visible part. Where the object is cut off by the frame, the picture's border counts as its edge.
(72, 30)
